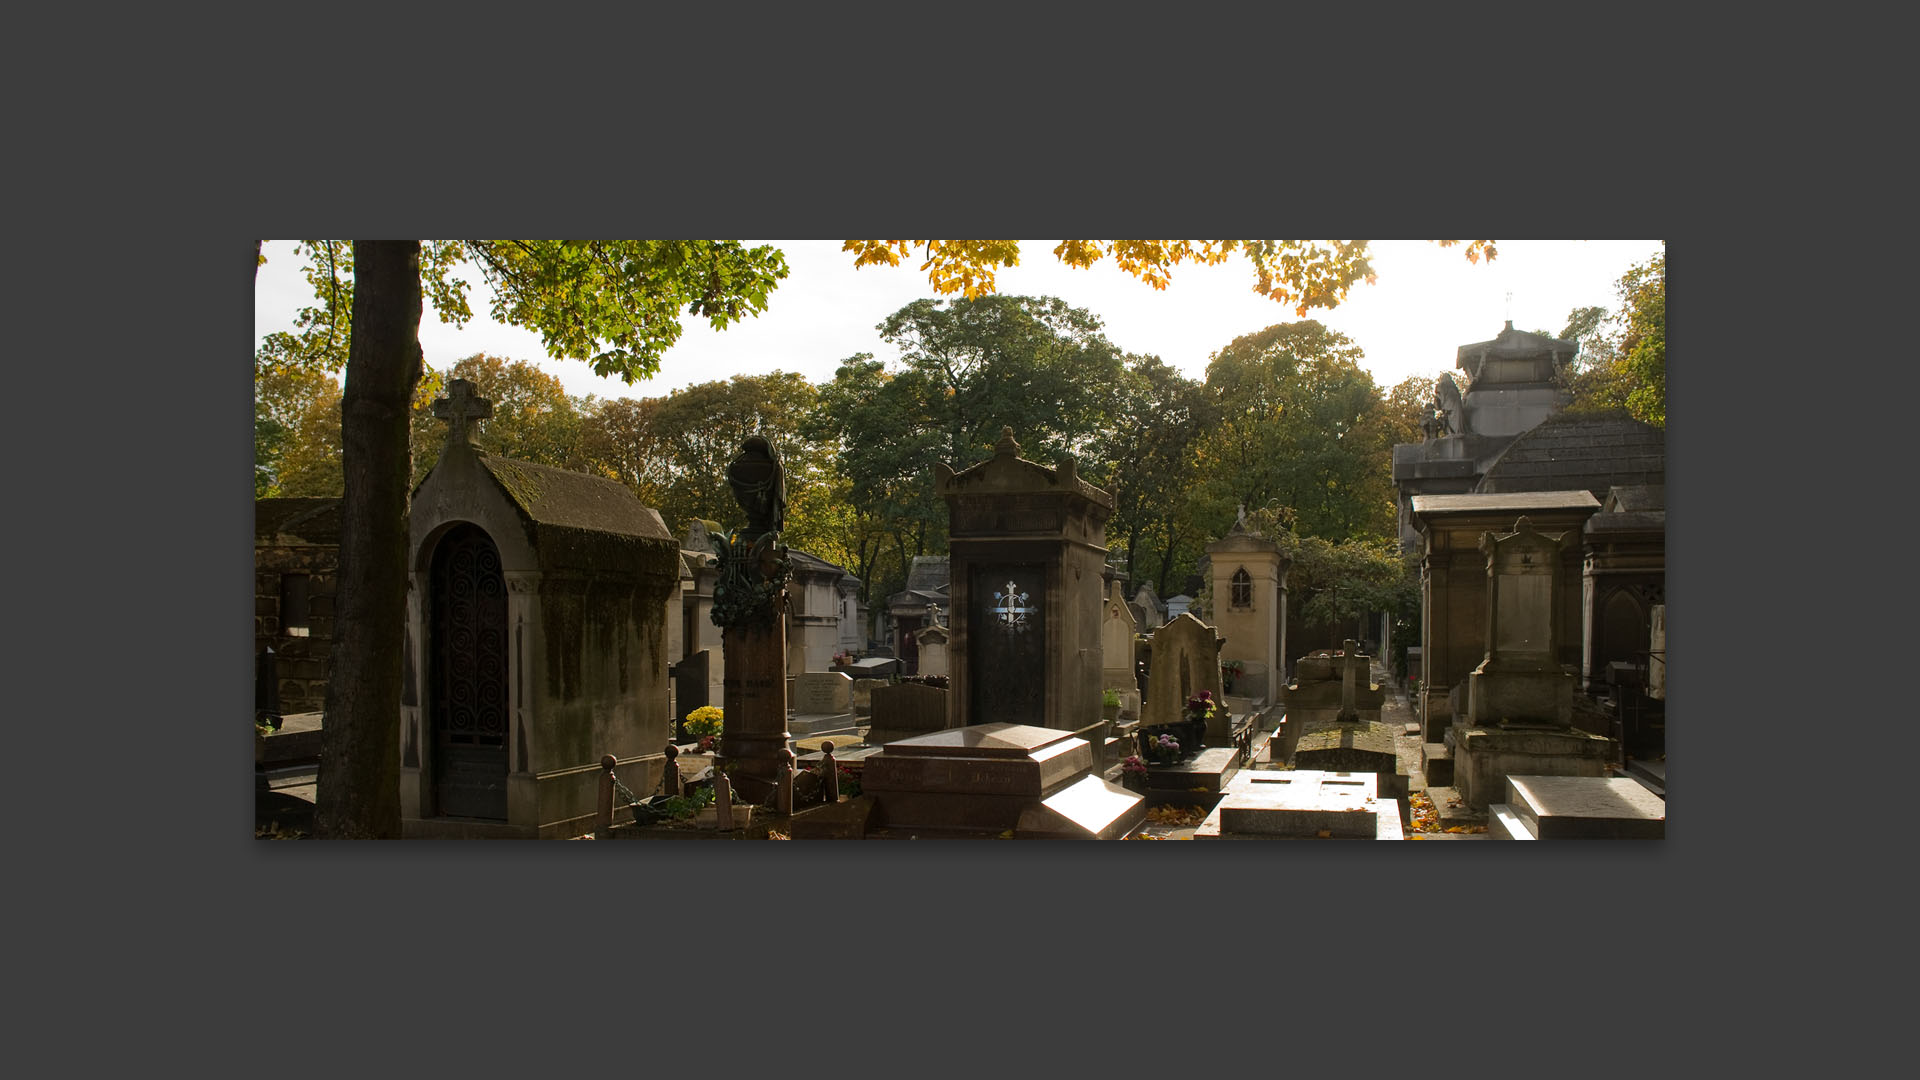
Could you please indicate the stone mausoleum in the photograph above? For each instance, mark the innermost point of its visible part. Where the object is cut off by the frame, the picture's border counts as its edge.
(537, 639)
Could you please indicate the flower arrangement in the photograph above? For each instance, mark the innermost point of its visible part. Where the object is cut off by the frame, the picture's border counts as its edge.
(705, 720)
(1134, 766)
(1202, 706)
(1161, 749)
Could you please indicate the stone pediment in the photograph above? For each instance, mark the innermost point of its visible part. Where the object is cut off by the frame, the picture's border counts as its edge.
(1006, 472)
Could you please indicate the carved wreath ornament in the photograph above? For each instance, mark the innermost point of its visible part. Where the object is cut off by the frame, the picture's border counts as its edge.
(753, 581)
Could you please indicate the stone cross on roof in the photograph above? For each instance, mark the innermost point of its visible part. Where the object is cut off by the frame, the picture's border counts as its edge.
(459, 409)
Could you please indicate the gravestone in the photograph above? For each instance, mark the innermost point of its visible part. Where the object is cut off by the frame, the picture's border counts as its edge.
(817, 692)
(932, 642)
(1520, 698)
(905, 711)
(1186, 660)
(535, 642)
(822, 703)
(1117, 629)
(690, 684)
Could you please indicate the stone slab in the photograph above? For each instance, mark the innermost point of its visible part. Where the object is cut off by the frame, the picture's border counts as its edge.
(1088, 809)
(982, 740)
(1210, 770)
(1031, 775)
(1302, 804)
(804, 725)
(1587, 807)
(844, 754)
(297, 741)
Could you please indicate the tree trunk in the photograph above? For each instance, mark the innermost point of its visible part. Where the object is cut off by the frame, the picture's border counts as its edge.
(359, 783)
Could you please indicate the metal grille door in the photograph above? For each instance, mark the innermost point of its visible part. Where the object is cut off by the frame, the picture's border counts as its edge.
(469, 676)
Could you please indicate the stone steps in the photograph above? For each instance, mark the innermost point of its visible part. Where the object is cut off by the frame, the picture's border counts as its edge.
(1504, 824)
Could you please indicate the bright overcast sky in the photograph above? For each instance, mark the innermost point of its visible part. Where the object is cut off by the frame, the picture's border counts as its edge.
(1428, 301)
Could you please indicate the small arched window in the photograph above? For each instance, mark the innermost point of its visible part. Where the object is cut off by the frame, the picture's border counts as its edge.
(1242, 588)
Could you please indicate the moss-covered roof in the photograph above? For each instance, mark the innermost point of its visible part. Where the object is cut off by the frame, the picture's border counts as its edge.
(571, 500)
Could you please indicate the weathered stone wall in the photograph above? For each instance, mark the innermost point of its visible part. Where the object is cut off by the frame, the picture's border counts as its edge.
(300, 662)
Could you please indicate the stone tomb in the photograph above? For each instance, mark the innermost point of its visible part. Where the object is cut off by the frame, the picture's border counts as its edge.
(822, 702)
(1454, 585)
(1250, 608)
(1302, 804)
(905, 711)
(1520, 697)
(1198, 779)
(1577, 807)
(988, 779)
(536, 642)
(1028, 547)
(1334, 688)
(1333, 723)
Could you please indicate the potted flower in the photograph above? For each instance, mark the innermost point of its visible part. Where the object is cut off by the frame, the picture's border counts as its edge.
(1110, 704)
(1133, 773)
(1229, 671)
(1161, 749)
(705, 723)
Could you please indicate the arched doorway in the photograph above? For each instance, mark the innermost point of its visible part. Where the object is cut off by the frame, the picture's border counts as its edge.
(467, 679)
(1623, 630)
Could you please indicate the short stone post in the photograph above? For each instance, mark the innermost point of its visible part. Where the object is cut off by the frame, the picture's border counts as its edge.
(603, 814)
(829, 774)
(783, 784)
(722, 800)
(670, 779)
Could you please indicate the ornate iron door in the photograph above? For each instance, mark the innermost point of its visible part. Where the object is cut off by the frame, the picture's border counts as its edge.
(1007, 639)
(468, 678)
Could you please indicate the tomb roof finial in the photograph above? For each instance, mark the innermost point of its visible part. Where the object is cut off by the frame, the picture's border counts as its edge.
(460, 408)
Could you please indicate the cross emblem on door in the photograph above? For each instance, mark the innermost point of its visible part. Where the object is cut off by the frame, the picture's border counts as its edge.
(1011, 609)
